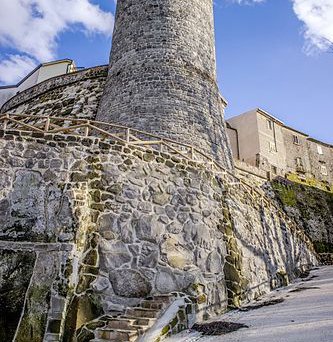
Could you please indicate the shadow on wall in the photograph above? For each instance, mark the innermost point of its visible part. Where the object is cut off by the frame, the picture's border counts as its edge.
(267, 256)
(16, 268)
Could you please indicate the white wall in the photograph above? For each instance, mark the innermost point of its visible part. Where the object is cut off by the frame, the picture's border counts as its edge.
(52, 70)
(248, 137)
(272, 135)
(44, 72)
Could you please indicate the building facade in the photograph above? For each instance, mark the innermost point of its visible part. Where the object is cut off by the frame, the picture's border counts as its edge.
(41, 73)
(261, 140)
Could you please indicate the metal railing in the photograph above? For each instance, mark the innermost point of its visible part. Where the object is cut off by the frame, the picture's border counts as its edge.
(137, 138)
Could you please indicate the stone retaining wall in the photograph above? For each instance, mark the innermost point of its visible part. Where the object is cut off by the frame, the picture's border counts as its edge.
(76, 95)
(119, 223)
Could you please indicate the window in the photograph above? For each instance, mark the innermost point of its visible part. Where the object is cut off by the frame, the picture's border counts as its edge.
(299, 161)
(269, 124)
(320, 149)
(299, 164)
(257, 160)
(274, 169)
(323, 170)
(272, 147)
(296, 140)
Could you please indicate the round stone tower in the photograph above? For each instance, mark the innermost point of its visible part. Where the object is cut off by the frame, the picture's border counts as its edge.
(162, 76)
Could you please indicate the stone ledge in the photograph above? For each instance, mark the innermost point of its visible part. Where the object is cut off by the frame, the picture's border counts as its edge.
(59, 247)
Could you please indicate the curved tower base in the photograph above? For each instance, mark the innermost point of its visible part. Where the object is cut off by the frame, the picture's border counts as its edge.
(162, 76)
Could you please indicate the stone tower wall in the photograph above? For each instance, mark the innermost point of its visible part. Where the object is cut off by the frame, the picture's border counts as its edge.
(162, 76)
(101, 225)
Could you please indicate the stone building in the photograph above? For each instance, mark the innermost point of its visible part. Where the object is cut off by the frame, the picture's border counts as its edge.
(41, 73)
(261, 140)
(110, 228)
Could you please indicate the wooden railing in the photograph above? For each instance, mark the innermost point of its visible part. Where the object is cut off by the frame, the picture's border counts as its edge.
(140, 139)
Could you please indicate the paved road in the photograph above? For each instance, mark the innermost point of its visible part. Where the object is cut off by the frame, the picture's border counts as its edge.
(304, 316)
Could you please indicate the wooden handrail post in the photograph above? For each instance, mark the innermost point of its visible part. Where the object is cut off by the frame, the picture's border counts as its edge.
(5, 122)
(86, 130)
(128, 133)
(47, 125)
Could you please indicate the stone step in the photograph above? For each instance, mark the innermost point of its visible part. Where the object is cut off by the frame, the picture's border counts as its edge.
(152, 304)
(49, 337)
(142, 321)
(117, 335)
(165, 298)
(128, 325)
(121, 323)
(142, 312)
(141, 328)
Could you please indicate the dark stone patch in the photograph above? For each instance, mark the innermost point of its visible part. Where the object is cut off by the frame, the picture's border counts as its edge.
(218, 328)
(16, 269)
(54, 326)
(304, 274)
(130, 283)
(149, 255)
(34, 321)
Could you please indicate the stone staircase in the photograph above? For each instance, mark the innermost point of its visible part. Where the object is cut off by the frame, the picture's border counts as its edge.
(134, 322)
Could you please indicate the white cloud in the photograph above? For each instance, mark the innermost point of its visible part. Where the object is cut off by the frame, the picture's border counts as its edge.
(15, 67)
(32, 27)
(317, 16)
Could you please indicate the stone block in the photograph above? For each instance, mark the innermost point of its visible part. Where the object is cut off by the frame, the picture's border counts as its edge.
(130, 283)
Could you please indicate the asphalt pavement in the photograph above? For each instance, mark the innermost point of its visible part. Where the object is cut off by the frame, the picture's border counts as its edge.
(305, 315)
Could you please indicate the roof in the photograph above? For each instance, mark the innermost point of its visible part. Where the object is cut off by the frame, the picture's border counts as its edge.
(320, 142)
(270, 116)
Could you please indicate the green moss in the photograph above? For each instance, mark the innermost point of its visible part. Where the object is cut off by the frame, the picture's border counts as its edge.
(323, 247)
(287, 195)
(174, 322)
(201, 299)
(313, 208)
(311, 182)
(165, 330)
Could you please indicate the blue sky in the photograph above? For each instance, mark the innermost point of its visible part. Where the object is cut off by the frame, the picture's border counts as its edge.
(271, 54)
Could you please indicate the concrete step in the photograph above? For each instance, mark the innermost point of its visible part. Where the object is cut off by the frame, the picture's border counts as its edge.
(117, 335)
(142, 312)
